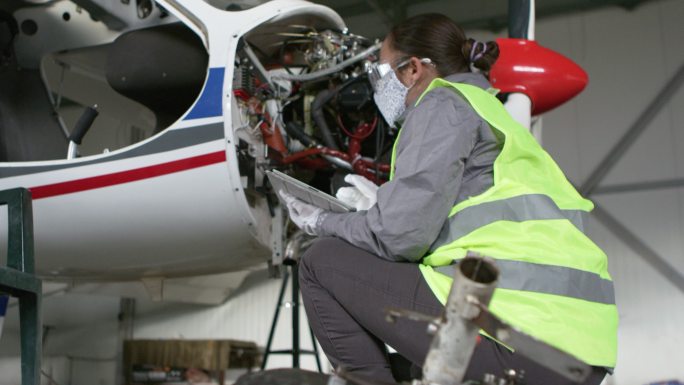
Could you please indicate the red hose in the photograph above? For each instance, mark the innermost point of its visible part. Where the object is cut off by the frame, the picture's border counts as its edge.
(302, 154)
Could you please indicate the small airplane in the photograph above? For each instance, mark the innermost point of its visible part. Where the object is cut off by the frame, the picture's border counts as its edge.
(144, 129)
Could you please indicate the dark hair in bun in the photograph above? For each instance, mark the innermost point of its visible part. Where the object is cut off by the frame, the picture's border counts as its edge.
(480, 54)
(439, 38)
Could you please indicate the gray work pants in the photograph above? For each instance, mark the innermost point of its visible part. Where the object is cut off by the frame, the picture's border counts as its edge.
(345, 290)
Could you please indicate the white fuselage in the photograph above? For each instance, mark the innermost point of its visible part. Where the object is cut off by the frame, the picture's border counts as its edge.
(171, 205)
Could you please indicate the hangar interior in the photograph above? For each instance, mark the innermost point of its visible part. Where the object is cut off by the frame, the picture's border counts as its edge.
(619, 141)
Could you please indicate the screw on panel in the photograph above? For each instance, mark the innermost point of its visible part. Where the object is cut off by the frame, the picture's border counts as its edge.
(29, 27)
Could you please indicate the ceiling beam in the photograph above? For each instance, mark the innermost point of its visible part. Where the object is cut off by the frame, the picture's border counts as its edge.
(377, 7)
(497, 22)
(361, 8)
(640, 186)
(657, 262)
(400, 10)
(638, 127)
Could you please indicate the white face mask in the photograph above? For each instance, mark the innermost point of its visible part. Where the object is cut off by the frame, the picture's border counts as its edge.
(390, 93)
(390, 97)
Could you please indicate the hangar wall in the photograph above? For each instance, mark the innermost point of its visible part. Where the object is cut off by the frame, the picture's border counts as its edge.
(629, 56)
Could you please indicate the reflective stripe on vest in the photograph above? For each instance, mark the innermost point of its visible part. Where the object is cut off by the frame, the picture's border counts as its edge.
(547, 279)
(516, 209)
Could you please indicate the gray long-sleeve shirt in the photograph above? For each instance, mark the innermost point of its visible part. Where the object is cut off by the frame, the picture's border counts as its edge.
(445, 154)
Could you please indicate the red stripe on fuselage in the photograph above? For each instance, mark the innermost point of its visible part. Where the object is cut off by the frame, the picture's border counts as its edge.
(121, 177)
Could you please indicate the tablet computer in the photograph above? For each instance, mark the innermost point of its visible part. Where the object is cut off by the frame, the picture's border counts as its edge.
(306, 193)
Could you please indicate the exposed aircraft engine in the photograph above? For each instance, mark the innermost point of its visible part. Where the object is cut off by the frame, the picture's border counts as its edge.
(303, 104)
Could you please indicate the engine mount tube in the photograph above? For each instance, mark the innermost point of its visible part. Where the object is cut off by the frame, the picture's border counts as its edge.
(295, 130)
(454, 343)
(329, 71)
(321, 100)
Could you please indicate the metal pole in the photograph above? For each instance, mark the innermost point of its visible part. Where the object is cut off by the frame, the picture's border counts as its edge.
(454, 343)
(20, 230)
(19, 281)
(631, 240)
(30, 319)
(519, 19)
(275, 320)
(639, 126)
(521, 26)
(126, 327)
(295, 315)
(315, 350)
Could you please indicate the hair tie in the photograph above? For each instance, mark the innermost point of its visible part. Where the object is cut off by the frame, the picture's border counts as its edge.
(475, 57)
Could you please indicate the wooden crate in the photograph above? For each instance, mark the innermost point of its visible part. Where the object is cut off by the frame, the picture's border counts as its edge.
(211, 355)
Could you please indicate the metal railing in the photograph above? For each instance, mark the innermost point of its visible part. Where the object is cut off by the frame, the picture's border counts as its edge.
(18, 280)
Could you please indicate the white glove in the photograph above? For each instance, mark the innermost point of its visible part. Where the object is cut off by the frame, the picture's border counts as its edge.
(304, 215)
(362, 195)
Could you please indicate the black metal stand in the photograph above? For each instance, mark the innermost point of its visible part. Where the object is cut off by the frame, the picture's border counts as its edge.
(295, 351)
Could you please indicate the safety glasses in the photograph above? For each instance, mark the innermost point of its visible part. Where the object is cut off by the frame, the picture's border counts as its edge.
(377, 70)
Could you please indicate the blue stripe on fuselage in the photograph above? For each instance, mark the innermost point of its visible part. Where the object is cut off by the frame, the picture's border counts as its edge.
(209, 103)
(3, 304)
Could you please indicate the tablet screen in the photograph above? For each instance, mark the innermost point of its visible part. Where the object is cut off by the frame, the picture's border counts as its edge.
(308, 194)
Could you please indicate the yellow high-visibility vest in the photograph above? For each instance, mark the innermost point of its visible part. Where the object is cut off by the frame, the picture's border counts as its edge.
(554, 282)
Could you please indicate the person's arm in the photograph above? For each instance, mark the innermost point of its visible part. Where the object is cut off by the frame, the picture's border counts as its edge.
(437, 138)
